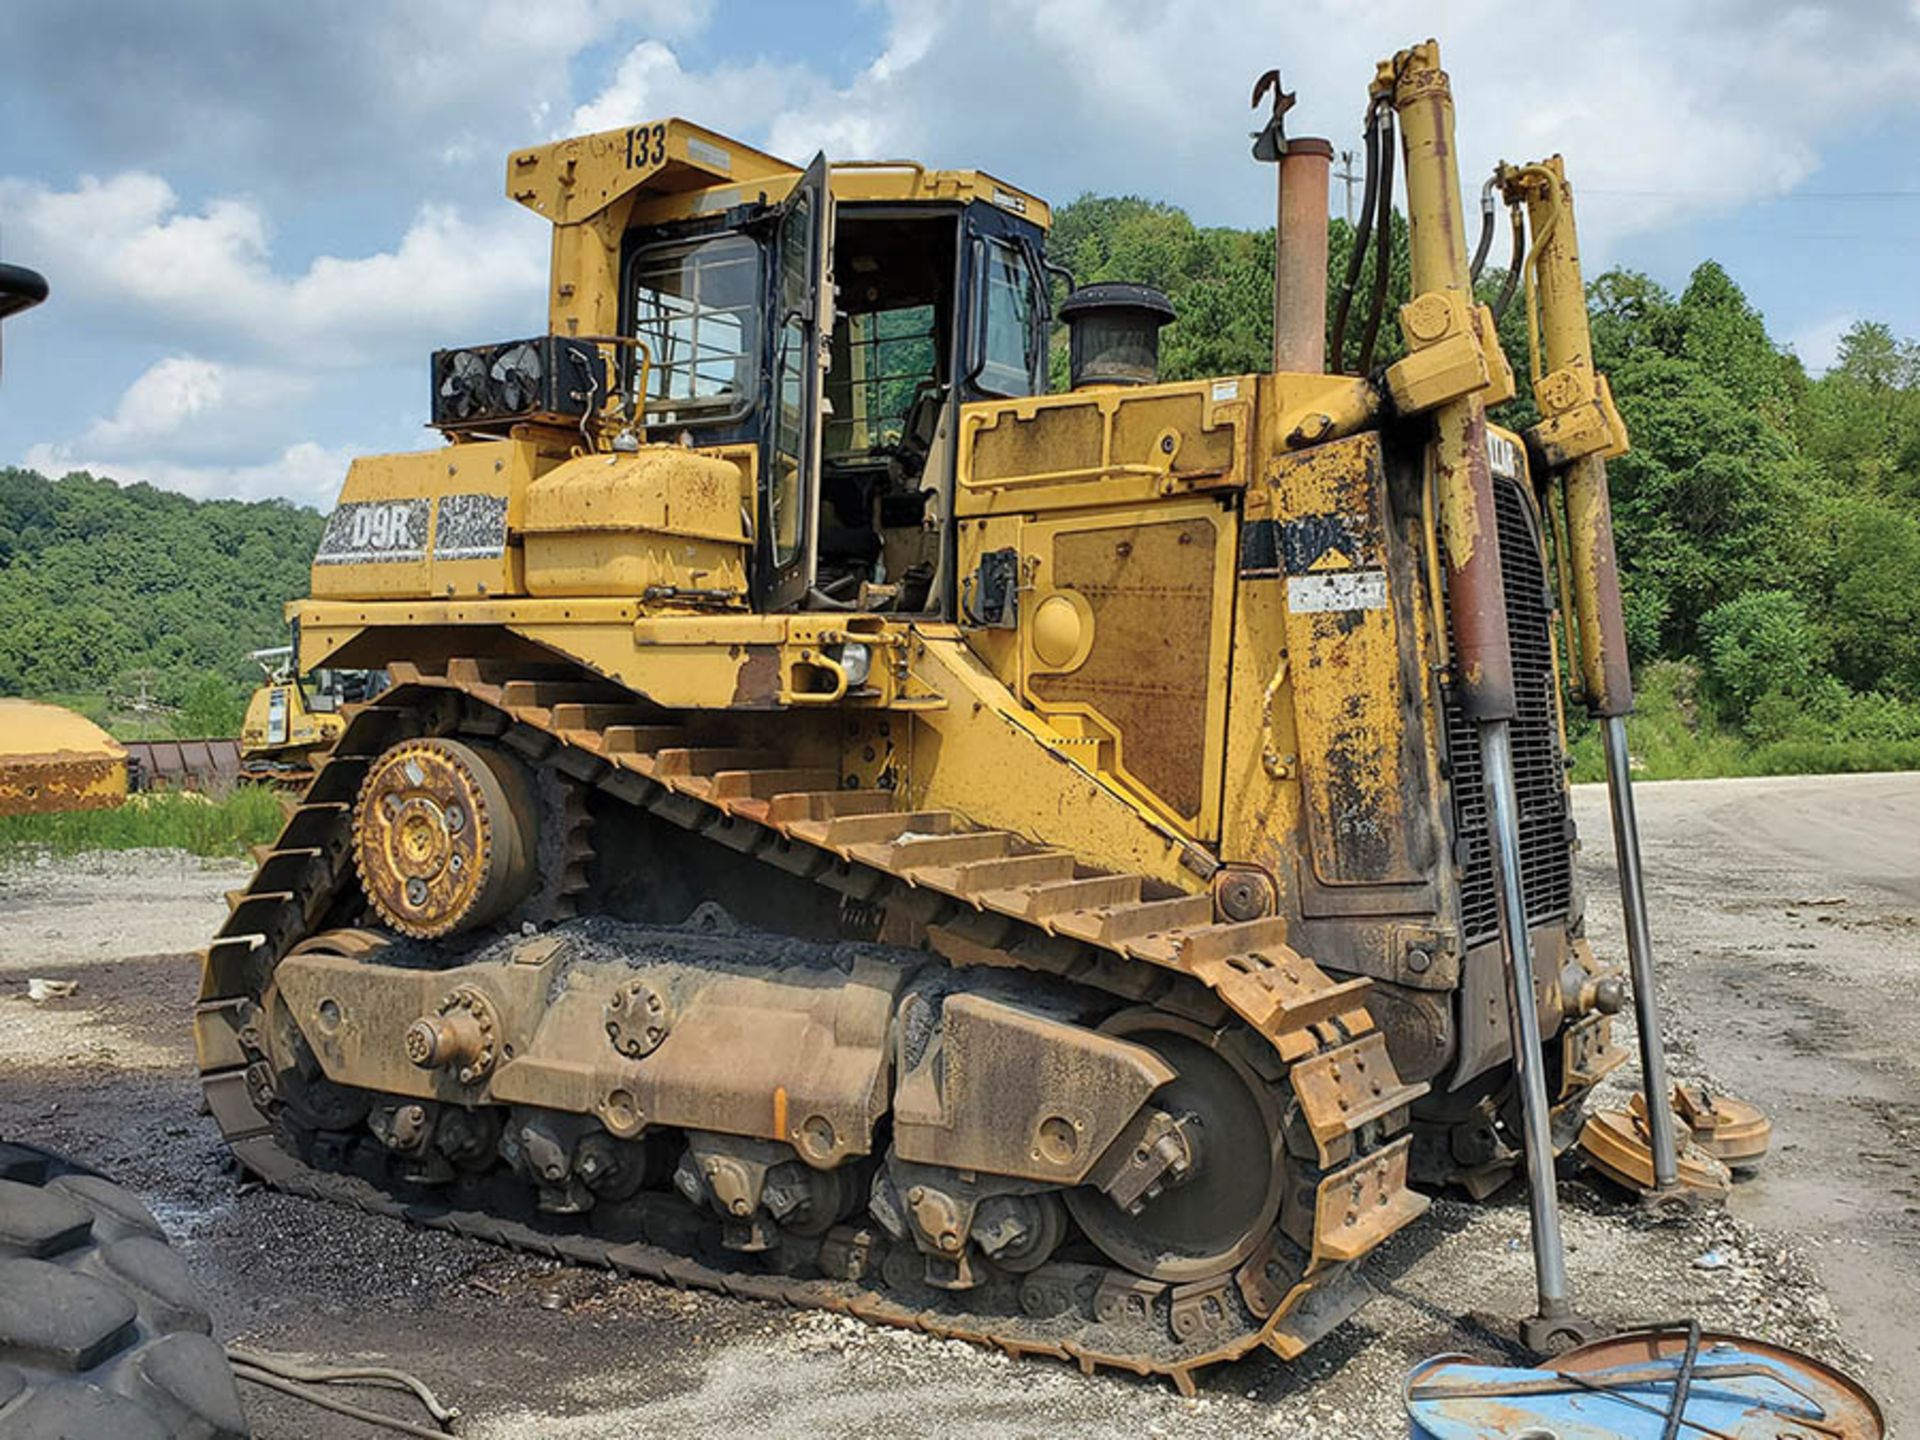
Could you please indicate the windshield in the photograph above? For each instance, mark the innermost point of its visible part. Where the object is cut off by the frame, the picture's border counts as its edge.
(696, 307)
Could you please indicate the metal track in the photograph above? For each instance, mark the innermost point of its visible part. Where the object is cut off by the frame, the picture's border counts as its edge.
(1007, 902)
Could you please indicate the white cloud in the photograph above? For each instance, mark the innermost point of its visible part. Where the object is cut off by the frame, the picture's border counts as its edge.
(1671, 112)
(186, 406)
(1818, 344)
(1666, 113)
(305, 472)
(741, 99)
(128, 246)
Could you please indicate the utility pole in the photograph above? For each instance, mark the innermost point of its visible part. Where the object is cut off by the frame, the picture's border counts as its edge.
(1347, 175)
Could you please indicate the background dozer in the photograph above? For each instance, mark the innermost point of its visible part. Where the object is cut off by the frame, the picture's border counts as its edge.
(850, 827)
(292, 721)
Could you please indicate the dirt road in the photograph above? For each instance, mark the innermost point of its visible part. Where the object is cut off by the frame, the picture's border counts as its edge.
(528, 1348)
(1787, 925)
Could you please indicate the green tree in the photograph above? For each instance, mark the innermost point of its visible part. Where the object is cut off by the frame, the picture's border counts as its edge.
(1759, 643)
(97, 579)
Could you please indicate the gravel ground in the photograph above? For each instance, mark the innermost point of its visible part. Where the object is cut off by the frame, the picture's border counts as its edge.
(1797, 1005)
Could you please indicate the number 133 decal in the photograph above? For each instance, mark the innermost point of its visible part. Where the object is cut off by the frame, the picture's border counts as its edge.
(646, 145)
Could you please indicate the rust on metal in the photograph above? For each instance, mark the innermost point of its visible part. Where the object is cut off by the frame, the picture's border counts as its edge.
(1463, 475)
(1616, 1144)
(1735, 1132)
(185, 764)
(53, 760)
(443, 836)
(951, 1223)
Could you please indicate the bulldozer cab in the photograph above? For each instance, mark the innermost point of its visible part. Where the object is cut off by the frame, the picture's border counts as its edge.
(833, 320)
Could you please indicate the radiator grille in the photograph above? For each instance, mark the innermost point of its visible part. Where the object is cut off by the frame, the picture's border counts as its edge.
(1546, 864)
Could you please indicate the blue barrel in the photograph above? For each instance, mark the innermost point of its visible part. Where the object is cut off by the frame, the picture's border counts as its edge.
(1624, 1388)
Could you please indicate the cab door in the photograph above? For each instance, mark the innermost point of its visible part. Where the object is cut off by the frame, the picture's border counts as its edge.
(803, 320)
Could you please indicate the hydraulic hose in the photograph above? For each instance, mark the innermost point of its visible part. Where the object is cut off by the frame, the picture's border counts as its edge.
(1383, 244)
(1486, 229)
(1512, 279)
(1357, 258)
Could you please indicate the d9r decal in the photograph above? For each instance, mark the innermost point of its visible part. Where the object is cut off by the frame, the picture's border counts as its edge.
(362, 532)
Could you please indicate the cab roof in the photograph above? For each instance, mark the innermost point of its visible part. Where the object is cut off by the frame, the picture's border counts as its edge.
(680, 169)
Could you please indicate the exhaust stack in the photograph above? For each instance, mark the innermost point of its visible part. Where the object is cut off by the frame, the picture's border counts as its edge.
(1300, 258)
(1302, 169)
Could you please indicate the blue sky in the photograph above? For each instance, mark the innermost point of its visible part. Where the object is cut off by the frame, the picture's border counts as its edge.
(259, 218)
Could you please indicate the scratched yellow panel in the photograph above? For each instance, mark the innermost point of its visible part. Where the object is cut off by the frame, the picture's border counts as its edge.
(1357, 756)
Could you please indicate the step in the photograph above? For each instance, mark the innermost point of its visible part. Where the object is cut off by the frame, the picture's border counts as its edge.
(469, 671)
(284, 869)
(730, 785)
(641, 739)
(887, 825)
(577, 715)
(1342, 1089)
(910, 852)
(1204, 944)
(693, 769)
(804, 806)
(1357, 1207)
(970, 879)
(254, 914)
(1113, 925)
(315, 822)
(546, 694)
(1041, 903)
(1274, 1004)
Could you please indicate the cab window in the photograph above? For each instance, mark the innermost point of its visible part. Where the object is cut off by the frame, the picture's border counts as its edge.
(791, 371)
(883, 360)
(1010, 331)
(696, 307)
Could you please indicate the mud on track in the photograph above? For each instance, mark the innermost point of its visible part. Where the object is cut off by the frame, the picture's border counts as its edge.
(530, 1348)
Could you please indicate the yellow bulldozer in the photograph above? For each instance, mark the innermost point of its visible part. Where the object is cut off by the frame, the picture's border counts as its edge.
(291, 721)
(852, 828)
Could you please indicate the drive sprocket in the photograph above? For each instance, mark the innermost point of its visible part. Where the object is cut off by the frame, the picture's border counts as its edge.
(445, 836)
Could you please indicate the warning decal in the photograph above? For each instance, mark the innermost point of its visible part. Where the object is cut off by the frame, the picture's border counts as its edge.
(1337, 590)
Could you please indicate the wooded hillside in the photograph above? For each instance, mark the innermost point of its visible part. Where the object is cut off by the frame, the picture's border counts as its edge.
(106, 590)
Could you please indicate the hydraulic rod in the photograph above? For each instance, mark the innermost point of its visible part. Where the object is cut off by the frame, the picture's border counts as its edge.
(1579, 429)
(1633, 909)
(1463, 474)
(1549, 1249)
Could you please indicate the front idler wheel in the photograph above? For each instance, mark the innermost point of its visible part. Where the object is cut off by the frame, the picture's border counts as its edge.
(1224, 1207)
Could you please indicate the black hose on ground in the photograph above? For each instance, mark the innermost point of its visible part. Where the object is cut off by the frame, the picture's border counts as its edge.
(276, 1372)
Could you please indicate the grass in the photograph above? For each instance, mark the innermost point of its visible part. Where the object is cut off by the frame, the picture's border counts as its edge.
(199, 824)
(1674, 734)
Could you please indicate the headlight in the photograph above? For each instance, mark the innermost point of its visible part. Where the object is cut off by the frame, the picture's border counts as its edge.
(857, 660)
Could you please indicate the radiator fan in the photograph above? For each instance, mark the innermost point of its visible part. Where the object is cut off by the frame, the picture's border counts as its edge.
(549, 378)
(517, 373)
(464, 390)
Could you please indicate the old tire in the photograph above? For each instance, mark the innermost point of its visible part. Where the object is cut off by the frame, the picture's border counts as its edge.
(102, 1331)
